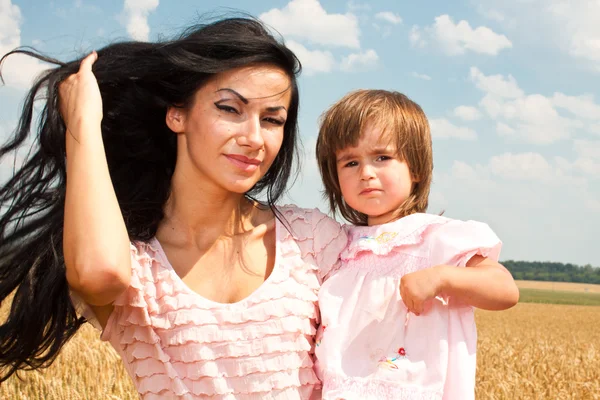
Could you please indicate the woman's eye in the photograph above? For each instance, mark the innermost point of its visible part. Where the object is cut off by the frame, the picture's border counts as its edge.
(227, 109)
(275, 121)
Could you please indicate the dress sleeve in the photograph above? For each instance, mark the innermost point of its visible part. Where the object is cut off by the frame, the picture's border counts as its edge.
(455, 242)
(330, 239)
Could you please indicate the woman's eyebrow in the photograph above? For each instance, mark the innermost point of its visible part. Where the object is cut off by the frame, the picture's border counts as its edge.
(242, 98)
(245, 100)
(276, 108)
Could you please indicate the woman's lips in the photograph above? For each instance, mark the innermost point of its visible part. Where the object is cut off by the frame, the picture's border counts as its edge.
(244, 163)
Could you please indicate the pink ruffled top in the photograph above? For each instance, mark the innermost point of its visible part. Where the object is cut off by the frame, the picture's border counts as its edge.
(177, 344)
(368, 345)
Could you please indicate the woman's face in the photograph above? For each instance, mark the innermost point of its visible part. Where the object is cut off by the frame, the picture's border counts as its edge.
(231, 133)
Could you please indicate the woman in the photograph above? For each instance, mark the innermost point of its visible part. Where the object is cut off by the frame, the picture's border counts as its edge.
(148, 205)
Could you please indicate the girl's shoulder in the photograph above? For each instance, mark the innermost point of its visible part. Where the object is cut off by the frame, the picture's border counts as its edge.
(439, 238)
(407, 232)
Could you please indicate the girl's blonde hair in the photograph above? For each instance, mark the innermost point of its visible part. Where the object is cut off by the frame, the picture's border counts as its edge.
(400, 119)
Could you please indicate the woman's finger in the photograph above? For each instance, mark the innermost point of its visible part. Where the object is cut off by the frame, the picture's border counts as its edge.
(88, 61)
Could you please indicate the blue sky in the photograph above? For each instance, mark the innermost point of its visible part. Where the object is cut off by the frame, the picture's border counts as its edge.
(512, 91)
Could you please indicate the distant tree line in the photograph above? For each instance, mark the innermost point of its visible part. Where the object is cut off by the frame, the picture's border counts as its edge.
(552, 271)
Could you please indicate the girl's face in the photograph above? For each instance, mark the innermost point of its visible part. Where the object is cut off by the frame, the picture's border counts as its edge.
(373, 179)
(233, 130)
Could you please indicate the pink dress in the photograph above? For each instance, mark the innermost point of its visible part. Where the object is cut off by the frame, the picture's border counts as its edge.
(368, 345)
(178, 345)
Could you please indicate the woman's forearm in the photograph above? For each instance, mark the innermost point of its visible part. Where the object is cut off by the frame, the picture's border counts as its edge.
(95, 239)
(483, 284)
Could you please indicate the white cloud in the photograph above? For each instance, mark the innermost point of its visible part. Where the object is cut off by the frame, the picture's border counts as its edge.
(538, 218)
(389, 16)
(359, 61)
(456, 39)
(137, 12)
(385, 30)
(578, 21)
(467, 113)
(524, 166)
(462, 170)
(307, 20)
(443, 129)
(530, 118)
(421, 76)
(581, 106)
(570, 26)
(587, 148)
(416, 37)
(594, 128)
(18, 70)
(587, 161)
(314, 61)
(504, 130)
(496, 85)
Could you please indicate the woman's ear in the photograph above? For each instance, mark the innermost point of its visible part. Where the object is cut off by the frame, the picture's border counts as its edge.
(175, 119)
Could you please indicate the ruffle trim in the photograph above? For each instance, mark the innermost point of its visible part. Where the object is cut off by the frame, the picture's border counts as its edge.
(226, 367)
(290, 393)
(317, 235)
(336, 387)
(383, 239)
(195, 352)
(250, 384)
(214, 333)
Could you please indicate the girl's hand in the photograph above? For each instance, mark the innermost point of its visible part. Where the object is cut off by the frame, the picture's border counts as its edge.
(417, 288)
(79, 98)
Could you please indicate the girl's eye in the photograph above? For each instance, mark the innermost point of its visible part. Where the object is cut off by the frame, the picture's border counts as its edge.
(275, 121)
(383, 158)
(227, 109)
(351, 164)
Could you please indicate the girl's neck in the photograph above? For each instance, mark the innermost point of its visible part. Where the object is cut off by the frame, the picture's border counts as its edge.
(385, 219)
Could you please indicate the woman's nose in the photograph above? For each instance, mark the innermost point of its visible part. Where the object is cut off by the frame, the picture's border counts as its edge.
(251, 135)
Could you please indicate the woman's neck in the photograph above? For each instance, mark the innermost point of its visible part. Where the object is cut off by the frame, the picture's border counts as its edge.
(199, 215)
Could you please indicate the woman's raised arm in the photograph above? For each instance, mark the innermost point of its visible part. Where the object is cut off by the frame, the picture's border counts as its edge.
(95, 239)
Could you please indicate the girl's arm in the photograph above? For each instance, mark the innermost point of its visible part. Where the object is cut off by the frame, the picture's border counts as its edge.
(484, 284)
(95, 239)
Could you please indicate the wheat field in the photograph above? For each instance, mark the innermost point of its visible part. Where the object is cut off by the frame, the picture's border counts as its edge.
(559, 286)
(533, 351)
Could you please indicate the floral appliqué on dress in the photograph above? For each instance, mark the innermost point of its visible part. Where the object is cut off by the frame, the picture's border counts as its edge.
(392, 362)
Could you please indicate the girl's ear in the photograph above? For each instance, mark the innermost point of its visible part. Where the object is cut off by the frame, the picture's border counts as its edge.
(175, 119)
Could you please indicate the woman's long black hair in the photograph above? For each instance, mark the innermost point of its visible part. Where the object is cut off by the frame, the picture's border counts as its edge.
(138, 81)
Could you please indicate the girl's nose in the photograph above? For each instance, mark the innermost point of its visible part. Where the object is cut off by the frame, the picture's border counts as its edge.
(367, 172)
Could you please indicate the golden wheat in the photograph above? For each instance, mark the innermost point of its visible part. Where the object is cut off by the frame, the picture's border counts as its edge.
(560, 286)
(539, 351)
(533, 351)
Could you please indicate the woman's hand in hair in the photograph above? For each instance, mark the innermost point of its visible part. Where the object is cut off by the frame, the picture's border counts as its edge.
(79, 99)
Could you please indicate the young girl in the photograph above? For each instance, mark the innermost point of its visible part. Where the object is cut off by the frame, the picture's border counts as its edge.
(397, 314)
